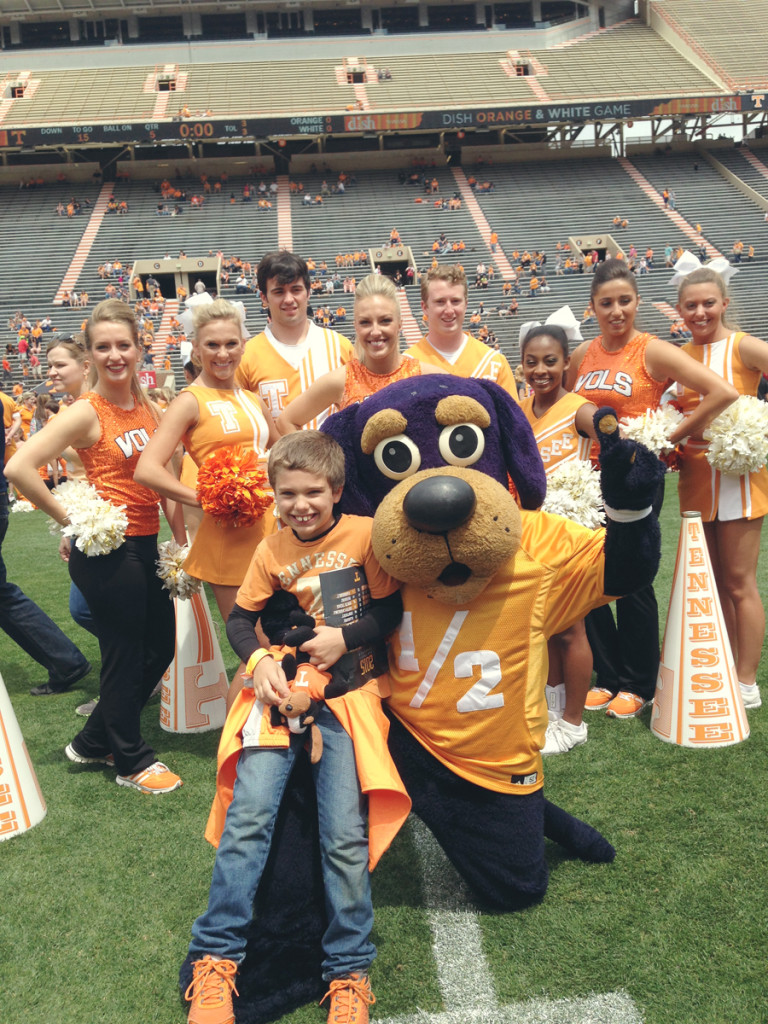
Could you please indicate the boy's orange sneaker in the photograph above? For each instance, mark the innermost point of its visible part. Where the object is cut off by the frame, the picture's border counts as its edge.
(598, 699)
(626, 705)
(350, 999)
(210, 991)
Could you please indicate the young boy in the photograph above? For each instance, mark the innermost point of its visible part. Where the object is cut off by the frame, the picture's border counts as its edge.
(325, 560)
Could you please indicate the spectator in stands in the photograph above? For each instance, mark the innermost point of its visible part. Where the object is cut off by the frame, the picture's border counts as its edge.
(291, 352)
(678, 331)
(446, 345)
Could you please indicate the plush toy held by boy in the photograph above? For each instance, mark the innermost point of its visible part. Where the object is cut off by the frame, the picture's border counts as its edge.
(326, 560)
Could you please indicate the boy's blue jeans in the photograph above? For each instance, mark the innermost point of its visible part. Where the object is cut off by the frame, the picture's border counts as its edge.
(262, 775)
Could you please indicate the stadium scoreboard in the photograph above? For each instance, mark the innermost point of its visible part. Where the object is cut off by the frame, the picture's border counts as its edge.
(214, 129)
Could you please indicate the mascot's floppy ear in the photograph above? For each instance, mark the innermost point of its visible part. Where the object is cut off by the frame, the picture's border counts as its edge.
(518, 444)
(355, 498)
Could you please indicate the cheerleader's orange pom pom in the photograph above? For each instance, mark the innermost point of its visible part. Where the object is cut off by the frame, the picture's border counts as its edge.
(233, 487)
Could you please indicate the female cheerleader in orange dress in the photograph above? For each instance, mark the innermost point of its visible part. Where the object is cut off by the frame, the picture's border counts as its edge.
(210, 414)
(732, 507)
(629, 370)
(132, 613)
(563, 428)
(378, 359)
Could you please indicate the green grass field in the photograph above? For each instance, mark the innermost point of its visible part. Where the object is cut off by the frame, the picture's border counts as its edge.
(98, 899)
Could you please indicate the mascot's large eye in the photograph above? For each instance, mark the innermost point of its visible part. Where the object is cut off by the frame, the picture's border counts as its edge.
(397, 457)
(461, 444)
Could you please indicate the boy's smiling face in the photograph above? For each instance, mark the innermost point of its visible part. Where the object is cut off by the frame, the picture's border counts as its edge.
(305, 502)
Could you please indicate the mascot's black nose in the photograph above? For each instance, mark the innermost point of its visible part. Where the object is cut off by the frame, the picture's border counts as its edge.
(439, 503)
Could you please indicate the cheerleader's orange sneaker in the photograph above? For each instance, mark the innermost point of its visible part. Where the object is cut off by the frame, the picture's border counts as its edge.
(626, 705)
(598, 699)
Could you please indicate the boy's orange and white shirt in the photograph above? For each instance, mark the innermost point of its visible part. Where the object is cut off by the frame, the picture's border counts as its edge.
(473, 359)
(468, 680)
(280, 373)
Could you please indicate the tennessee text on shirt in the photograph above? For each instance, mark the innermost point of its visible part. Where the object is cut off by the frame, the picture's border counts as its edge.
(318, 560)
(550, 451)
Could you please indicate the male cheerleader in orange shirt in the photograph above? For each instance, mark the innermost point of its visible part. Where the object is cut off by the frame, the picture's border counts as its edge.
(446, 344)
(292, 352)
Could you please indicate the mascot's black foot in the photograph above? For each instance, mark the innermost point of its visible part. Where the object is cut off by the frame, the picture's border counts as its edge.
(575, 836)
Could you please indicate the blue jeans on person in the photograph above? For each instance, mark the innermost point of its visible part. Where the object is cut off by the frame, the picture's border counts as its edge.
(262, 776)
(79, 610)
(28, 626)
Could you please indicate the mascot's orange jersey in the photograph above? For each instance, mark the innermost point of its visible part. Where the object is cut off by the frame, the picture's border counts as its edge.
(468, 680)
(280, 373)
(556, 435)
(475, 359)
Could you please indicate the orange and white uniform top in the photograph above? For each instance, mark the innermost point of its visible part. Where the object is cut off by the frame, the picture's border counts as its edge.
(360, 382)
(467, 685)
(701, 488)
(220, 554)
(472, 359)
(225, 417)
(280, 373)
(556, 435)
(111, 462)
(619, 379)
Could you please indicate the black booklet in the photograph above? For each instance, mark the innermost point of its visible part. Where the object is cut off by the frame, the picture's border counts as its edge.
(346, 598)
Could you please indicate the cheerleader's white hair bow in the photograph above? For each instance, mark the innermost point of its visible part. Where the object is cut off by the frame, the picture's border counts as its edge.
(562, 317)
(187, 317)
(688, 263)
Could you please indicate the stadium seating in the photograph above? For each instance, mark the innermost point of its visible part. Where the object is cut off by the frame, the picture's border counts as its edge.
(533, 205)
(733, 38)
(629, 58)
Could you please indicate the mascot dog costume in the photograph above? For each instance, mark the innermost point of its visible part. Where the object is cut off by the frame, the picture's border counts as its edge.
(484, 585)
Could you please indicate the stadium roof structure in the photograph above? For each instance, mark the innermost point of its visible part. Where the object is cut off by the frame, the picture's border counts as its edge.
(394, 92)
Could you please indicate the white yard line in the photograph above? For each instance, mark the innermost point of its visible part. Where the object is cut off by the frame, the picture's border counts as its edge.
(466, 983)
